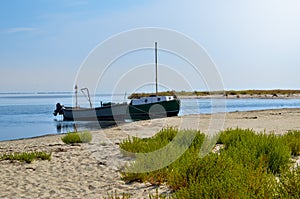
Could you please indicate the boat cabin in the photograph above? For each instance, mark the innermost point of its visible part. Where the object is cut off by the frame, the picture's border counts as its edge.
(151, 99)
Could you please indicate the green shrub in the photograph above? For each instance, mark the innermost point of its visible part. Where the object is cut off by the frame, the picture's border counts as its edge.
(85, 137)
(233, 136)
(115, 195)
(73, 137)
(247, 147)
(181, 141)
(139, 95)
(27, 157)
(146, 145)
(249, 166)
(219, 176)
(292, 139)
(289, 184)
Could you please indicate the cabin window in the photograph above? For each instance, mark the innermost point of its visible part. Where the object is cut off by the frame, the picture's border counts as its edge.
(158, 99)
(146, 100)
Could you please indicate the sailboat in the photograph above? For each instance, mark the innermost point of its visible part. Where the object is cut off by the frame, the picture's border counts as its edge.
(143, 108)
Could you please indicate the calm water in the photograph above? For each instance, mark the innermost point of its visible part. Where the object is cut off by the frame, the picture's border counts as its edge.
(29, 115)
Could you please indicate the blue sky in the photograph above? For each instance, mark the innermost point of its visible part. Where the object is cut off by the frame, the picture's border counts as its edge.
(254, 44)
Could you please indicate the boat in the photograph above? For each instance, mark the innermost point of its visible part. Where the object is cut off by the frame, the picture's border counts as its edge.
(107, 112)
(103, 113)
(138, 109)
(142, 108)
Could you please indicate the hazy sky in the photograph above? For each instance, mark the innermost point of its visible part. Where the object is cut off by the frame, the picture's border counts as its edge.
(254, 44)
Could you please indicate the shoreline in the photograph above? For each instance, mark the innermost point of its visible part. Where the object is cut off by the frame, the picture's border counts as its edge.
(200, 114)
(92, 170)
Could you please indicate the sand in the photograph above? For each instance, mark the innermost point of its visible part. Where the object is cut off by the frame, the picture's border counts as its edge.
(92, 170)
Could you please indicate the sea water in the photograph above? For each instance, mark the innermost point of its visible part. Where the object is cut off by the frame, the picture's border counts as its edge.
(24, 115)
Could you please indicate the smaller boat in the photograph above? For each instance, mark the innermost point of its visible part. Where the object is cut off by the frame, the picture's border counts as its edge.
(106, 112)
(142, 108)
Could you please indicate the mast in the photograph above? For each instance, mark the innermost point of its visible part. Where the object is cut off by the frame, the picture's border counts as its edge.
(76, 100)
(156, 87)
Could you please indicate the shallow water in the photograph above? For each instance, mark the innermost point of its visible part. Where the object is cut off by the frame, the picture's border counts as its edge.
(30, 114)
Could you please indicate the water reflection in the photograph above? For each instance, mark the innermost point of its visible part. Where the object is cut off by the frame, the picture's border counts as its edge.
(71, 126)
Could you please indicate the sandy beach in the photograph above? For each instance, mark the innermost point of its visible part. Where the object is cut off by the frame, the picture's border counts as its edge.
(92, 170)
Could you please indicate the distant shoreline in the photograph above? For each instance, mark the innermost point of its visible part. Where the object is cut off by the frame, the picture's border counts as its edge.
(243, 96)
(265, 94)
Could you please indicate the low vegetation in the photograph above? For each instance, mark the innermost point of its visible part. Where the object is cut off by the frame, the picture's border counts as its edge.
(27, 157)
(292, 139)
(225, 93)
(250, 165)
(74, 137)
(115, 195)
(263, 92)
(139, 95)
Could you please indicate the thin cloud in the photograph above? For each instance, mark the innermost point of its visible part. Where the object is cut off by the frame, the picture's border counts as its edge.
(21, 29)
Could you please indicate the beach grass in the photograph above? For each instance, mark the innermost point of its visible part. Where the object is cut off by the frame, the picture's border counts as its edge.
(138, 95)
(27, 157)
(245, 146)
(77, 137)
(292, 139)
(250, 165)
(115, 195)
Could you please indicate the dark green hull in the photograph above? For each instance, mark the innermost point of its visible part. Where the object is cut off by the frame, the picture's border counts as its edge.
(121, 112)
(154, 110)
